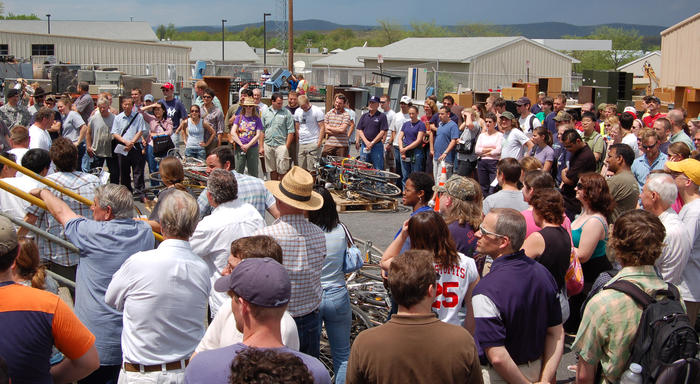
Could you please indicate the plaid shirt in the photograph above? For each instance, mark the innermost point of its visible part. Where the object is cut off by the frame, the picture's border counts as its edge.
(303, 250)
(251, 190)
(81, 183)
(610, 321)
(336, 120)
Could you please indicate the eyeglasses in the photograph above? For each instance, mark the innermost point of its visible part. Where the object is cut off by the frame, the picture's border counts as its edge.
(647, 147)
(487, 232)
(194, 111)
(206, 97)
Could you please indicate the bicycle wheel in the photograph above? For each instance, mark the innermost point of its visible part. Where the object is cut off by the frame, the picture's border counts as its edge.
(378, 189)
(377, 173)
(348, 162)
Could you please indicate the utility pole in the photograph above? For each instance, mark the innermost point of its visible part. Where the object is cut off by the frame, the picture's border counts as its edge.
(48, 17)
(290, 38)
(265, 15)
(222, 39)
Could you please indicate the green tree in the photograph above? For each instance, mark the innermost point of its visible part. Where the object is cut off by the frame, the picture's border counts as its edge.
(626, 46)
(390, 32)
(428, 30)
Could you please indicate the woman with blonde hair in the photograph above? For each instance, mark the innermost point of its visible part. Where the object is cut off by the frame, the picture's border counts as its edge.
(471, 127)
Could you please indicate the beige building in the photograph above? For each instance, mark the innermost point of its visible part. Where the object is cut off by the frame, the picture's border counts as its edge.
(680, 54)
(637, 68)
(479, 63)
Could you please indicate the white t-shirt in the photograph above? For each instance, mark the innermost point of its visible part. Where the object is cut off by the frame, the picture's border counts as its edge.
(12, 205)
(631, 140)
(396, 125)
(452, 288)
(222, 331)
(39, 138)
(19, 154)
(525, 124)
(308, 124)
(513, 143)
(389, 119)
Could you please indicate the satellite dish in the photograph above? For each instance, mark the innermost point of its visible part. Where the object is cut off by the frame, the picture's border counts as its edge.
(299, 66)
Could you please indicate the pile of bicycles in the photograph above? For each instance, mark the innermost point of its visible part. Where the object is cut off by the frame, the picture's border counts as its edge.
(353, 177)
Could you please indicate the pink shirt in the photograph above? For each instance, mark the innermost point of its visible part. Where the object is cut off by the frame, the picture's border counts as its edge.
(486, 141)
(532, 227)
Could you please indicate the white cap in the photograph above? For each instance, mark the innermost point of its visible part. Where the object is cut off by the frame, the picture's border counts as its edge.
(406, 100)
(636, 368)
(630, 109)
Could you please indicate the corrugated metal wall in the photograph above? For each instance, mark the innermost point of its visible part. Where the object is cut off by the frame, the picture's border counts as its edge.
(508, 64)
(128, 57)
(680, 54)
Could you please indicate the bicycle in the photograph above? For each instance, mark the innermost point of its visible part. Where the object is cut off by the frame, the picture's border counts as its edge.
(353, 176)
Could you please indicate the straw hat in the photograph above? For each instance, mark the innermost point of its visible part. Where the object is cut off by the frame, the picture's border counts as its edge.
(296, 190)
(249, 102)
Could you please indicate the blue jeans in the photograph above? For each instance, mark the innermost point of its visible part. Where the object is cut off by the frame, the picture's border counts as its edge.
(152, 164)
(196, 152)
(85, 159)
(414, 165)
(337, 317)
(375, 155)
(397, 164)
(309, 329)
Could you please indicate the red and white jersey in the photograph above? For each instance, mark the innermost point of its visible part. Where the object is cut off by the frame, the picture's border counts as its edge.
(452, 287)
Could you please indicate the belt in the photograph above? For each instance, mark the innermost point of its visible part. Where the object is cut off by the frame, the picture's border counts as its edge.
(173, 366)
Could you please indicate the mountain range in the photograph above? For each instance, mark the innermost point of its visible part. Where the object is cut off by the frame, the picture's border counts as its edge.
(544, 30)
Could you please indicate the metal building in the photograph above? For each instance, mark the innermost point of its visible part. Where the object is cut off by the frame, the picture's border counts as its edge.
(680, 54)
(479, 63)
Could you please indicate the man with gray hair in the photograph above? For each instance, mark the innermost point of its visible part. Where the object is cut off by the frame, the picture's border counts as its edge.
(105, 242)
(658, 194)
(163, 295)
(231, 219)
(528, 312)
(99, 140)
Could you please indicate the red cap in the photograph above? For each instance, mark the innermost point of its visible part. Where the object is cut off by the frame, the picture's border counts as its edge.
(167, 86)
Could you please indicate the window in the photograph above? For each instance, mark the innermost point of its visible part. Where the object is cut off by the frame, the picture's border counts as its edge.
(4, 50)
(42, 49)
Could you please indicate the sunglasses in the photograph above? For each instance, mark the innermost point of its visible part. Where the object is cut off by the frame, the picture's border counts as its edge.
(206, 97)
(649, 146)
(194, 111)
(487, 232)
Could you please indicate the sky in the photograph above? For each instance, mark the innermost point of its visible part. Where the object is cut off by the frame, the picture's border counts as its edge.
(365, 12)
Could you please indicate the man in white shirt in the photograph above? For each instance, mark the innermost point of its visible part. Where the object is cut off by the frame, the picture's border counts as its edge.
(223, 330)
(528, 121)
(392, 137)
(308, 120)
(163, 294)
(36, 160)
(19, 140)
(39, 136)
(658, 194)
(626, 122)
(231, 219)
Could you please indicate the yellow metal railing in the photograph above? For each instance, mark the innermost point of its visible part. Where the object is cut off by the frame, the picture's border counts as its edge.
(35, 200)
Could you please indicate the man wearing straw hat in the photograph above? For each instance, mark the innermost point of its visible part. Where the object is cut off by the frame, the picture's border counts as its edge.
(303, 249)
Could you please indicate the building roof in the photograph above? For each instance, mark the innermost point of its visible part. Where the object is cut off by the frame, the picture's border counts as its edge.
(576, 44)
(639, 60)
(347, 58)
(237, 51)
(109, 30)
(451, 49)
(689, 20)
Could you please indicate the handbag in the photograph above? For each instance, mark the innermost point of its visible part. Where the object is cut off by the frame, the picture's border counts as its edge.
(353, 257)
(161, 145)
(574, 275)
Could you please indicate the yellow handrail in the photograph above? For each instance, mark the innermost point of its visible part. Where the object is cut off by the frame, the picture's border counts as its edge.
(7, 162)
(35, 200)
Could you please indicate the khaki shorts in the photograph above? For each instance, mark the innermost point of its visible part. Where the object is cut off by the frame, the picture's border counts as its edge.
(307, 156)
(277, 159)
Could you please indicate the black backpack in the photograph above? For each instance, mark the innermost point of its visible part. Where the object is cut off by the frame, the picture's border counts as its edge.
(665, 344)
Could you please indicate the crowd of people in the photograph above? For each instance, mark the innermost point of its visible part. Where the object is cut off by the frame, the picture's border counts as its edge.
(227, 297)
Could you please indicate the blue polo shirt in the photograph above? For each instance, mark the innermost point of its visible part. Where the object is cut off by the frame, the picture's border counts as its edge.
(641, 167)
(446, 132)
(371, 125)
(550, 123)
(514, 304)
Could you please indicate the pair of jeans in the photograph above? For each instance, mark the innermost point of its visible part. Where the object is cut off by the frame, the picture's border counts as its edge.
(152, 165)
(196, 152)
(84, 157)
(486, 169)
(397, 164)
(337, 317)
(249, 159)
(309, 329)
(375, 155)
(412, 163)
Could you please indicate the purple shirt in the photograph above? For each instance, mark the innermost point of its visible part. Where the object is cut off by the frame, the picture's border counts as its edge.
(463, 235)
(214, 366)
(410, 131)
(515, 315)
(371, 125)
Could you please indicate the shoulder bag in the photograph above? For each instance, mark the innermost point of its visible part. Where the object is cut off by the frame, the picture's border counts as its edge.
(353, 257)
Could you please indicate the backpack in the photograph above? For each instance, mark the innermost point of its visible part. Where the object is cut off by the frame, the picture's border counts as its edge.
(665, 345)
(531, 124)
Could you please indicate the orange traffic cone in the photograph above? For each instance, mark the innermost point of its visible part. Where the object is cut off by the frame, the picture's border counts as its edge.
(441, 183)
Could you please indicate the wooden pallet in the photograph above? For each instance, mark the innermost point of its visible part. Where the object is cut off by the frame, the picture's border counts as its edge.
(358, 203)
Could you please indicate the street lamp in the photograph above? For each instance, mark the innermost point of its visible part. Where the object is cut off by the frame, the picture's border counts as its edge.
(48, 17)
(222, 39)
(265, 15)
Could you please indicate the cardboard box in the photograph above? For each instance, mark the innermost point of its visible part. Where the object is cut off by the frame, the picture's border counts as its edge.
(551, 85)
(464, 99)
(512, 93)
(692, 94)
(664, 94)
(679, 96)
(693, 110)
(531, 90)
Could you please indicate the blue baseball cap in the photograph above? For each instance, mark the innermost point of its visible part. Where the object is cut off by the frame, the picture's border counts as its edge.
(260, 281)
(374, 99)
